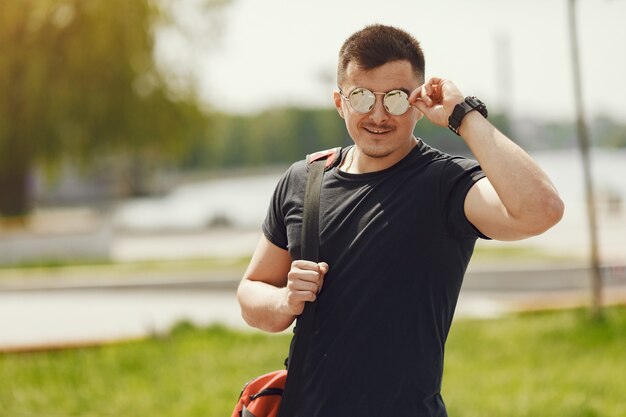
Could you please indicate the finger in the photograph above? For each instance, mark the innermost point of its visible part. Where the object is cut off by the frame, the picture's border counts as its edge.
(305, 265)
(415, 94)
(434, 80)
(304, 275)
(427, 88)
(303, 285)
(427, 93)
(421, 106)
(302, 296)
(321, 285)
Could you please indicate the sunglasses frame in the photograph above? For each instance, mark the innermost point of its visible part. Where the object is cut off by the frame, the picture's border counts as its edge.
(385, 95)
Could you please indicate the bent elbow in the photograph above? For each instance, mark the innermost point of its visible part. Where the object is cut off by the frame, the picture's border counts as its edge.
(550, 214)
(555, 207)
(558, 210)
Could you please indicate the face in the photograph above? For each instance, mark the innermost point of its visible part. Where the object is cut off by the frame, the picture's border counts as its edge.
(380, 137)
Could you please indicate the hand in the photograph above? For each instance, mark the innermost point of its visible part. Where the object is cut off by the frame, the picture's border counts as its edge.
(304, 281)
(436, 99)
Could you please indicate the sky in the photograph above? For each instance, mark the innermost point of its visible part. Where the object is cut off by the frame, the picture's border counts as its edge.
(515, 56)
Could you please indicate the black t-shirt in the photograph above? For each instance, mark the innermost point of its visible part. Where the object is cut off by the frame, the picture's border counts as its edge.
(397, 243)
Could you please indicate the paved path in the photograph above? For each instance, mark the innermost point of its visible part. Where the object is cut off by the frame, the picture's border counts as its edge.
(35, 319)
(85, 306)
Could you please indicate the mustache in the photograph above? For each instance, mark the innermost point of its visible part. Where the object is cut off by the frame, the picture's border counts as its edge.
(377, 127)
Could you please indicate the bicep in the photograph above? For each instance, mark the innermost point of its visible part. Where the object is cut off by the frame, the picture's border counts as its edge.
(485, 210)
(269, 264)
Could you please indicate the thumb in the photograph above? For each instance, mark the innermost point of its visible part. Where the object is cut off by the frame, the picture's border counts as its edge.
(323, 267)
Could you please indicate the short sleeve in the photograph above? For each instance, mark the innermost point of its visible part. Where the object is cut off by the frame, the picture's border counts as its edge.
(457, 179)
(274, 226)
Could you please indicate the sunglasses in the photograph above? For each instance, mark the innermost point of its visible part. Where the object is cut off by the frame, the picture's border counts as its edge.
(362, 100)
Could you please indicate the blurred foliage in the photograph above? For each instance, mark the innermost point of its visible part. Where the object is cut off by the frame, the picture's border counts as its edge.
(284, 135)
(608, 134)
(79, 81)
(274, 136)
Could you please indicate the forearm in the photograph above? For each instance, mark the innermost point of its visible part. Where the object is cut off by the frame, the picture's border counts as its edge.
(524, 189)
(264, 306)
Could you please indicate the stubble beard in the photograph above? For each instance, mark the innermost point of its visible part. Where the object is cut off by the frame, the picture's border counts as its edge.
(380, 150)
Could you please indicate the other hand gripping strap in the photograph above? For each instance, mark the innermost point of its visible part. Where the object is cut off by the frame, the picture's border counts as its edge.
(318, 163)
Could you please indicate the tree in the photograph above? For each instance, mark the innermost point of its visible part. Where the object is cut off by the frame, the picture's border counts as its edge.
(78, 79)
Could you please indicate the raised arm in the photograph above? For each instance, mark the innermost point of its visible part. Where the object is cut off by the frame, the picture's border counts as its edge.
(274, 289)
(516, 200)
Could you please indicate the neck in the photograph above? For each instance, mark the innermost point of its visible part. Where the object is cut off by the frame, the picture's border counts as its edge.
(359, 161)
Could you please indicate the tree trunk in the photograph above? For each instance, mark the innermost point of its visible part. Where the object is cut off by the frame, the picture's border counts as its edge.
(15, 185)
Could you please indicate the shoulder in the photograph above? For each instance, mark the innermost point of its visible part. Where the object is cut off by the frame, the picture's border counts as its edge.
(437, 156)
(297, 171)
(295, 176)
(292, 179)
(429, 160)
(331, 156)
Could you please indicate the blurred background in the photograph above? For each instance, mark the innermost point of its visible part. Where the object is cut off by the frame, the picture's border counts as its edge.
(155, 130)
(140, 142)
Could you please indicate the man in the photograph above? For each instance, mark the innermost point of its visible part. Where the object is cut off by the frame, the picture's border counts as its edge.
(398, 223)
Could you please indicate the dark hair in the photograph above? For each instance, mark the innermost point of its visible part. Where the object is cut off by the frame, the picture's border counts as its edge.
(375, 45)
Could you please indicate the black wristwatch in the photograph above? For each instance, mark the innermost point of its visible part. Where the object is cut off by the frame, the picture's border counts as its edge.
(461, 109)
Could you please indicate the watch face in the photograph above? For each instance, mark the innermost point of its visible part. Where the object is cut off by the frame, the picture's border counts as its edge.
(473, 101)
(477, 105)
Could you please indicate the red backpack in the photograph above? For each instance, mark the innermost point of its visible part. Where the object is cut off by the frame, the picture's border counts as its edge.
(261, 396)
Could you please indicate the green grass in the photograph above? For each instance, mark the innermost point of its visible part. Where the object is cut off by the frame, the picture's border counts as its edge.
(544, 364)
(191, 372)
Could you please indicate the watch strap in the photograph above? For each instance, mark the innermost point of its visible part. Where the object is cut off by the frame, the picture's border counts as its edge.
(460, 110)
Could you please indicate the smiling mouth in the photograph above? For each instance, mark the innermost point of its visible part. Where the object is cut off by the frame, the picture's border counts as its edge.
(377, 131)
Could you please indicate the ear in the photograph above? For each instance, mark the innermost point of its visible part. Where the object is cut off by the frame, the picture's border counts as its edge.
(338, 103)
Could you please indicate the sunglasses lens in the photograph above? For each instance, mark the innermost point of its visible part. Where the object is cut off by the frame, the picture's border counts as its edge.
(396, 102)
(362, 100)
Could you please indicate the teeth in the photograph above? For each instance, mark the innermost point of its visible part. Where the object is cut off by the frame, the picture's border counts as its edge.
(376, 130)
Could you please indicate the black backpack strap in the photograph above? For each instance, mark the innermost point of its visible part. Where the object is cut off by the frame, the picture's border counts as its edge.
(318, 163)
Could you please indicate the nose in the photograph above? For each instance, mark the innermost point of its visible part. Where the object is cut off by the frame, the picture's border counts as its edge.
(378, 114)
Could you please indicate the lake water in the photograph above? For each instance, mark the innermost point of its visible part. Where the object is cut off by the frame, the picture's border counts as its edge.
(571, 235)
(241, 203)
